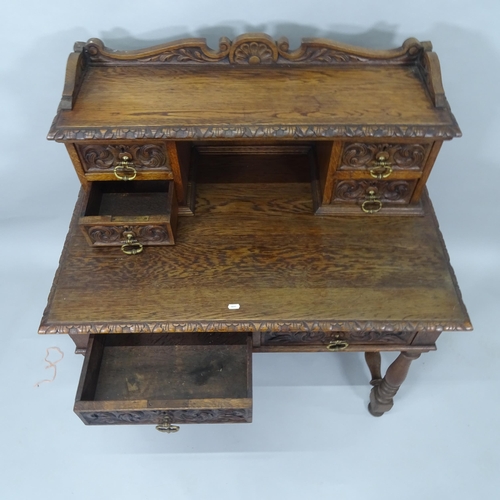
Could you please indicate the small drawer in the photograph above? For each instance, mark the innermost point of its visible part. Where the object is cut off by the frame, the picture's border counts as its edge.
(166, 379)
(335, 341)
(140, 161)
(381, 159)
(130, 214)
(373, 196)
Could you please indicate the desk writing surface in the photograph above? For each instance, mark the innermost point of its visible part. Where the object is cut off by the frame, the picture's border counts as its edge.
(259, 245)
(128, 96)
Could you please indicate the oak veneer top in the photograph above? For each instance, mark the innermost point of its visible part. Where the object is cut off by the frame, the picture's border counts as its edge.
(131, 96)
(260, 246)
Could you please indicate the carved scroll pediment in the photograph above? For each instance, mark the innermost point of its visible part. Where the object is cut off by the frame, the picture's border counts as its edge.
(253, 48)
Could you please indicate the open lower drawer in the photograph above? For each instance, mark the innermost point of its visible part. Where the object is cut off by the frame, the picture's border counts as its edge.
(166, 379)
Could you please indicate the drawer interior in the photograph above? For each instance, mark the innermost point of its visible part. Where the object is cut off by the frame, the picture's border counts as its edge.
(163, 373)
(128, 198)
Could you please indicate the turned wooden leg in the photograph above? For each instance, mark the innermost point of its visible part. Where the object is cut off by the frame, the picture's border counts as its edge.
(381, 397)
(373, 360)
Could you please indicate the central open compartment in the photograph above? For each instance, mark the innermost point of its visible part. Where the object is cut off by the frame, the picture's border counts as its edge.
(239, 177)
(254, 162)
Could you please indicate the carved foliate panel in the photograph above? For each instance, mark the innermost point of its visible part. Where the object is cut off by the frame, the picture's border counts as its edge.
(363, 155)
(358, 191)
(113, 235)
(208, 416)
(105, 157)
(321, 337)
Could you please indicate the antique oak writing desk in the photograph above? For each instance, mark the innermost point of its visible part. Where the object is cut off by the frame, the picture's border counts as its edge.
(249, 199)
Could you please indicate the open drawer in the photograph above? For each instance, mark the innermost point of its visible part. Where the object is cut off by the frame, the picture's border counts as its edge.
(128, 214)
(166, 379)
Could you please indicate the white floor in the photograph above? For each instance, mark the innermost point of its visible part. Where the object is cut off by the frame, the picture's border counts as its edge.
(312, 436)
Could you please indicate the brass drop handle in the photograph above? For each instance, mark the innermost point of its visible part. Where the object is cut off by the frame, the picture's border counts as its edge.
(382, 168)
(337, 345)
(131, 245)
(371, 205)
(124, 170)
(167, 426)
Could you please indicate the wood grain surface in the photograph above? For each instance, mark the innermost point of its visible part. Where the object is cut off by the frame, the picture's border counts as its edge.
(172, 96)
(260, 246)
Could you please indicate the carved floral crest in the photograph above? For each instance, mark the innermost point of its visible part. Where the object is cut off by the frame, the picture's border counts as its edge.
(253, 53)
(253, 49)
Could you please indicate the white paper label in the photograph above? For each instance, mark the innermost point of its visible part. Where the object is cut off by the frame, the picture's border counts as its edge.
(233, 306)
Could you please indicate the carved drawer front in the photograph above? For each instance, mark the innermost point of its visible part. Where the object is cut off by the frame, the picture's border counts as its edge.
(371, 196)
(166, 379)
(125, 161)
(382, 159)
(130, 214)
(357, 191)
(336, 341)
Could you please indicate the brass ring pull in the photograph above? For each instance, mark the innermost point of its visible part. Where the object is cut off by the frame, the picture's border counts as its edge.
(126, 168)
(167, 426)
(381, 169)
(131, 245)
(337, 345)
(372, 202)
